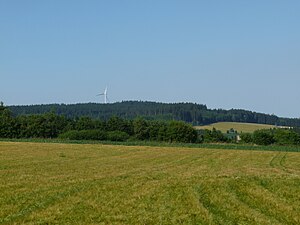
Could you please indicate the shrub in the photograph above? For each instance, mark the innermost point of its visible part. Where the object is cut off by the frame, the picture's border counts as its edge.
(286, 137)
(178, 131)
(246, 138)
(84, 135)
(212, 136)
(117, 136)
(263, 137)
(141, 129)
(71, 135)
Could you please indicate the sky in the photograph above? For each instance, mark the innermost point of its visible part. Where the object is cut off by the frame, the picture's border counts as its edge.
(225, 54)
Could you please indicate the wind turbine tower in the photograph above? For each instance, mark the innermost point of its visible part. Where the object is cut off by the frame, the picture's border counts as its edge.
(105, 95)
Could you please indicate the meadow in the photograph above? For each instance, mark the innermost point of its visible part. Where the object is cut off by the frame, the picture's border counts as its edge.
(240, 127)
(58, 183)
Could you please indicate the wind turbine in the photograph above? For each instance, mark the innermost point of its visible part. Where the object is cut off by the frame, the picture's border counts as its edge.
(105, 95)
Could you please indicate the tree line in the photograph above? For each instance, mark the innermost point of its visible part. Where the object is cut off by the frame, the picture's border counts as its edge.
(196, 114)
(272, 136)
(52, 125)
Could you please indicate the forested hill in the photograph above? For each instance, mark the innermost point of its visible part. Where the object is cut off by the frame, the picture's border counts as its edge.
(196, 114)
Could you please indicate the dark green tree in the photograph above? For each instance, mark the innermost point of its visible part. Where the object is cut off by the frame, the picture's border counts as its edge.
(263, 137)
(141, 129)
(286, 137)
(246, 138)
(8, 126)
(178, 131)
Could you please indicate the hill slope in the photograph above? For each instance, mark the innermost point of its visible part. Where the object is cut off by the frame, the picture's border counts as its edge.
(196, 114)
(240, 127)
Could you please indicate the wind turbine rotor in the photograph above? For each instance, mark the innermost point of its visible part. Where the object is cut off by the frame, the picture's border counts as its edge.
(105, 95)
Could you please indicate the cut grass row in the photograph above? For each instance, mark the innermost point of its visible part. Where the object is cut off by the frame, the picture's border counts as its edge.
(55, 183)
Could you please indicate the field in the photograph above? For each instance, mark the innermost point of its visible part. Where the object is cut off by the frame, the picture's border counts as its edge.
(240, 127)
(53, 183)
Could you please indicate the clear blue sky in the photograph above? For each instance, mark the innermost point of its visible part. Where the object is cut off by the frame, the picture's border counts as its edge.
(225, 54)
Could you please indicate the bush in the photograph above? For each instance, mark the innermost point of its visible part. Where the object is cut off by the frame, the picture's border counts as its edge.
(246, 138)
(141, 129)
(286, 137)
(84, 135)
(263, 137)
(212, 136)
(117, 136)
(178, 131)
(71, 135)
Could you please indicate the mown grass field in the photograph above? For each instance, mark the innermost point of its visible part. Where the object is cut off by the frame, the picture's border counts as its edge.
(52, 183)
(240, 127)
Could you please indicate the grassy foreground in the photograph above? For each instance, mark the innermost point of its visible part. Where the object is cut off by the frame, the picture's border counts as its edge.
(240, 127)
(52, 183)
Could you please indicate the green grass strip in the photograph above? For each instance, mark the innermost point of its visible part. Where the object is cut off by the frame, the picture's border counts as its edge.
(225, 146)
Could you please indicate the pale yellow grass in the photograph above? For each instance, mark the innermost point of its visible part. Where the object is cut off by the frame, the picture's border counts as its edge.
(240, 127)
(101, 184)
